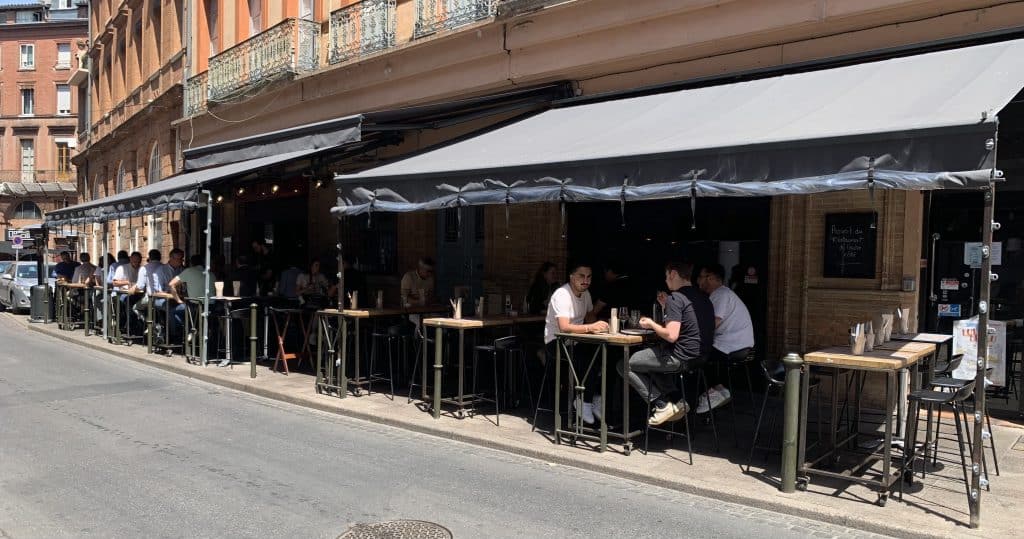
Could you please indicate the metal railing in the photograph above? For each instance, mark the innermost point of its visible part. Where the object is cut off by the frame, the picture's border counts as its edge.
(196, 92)
(37, 176)
(360, 29)
(436, 15)
(285, 49)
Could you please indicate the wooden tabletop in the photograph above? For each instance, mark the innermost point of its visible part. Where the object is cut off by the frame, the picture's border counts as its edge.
(74, 285)
(127, 292)
(386, 311)
(606, 338)
(164, 295)
(491, 321)
(933, 338)
(840, 356)
(907, 347)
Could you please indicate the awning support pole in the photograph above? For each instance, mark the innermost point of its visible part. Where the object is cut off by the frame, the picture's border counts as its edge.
(204, 346)
(622, 201)
(693, 203)
(989, 225)
(871, 192)
(341, 270)
(103, 283)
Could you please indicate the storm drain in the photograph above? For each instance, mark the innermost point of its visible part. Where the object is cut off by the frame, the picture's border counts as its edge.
(398, 529)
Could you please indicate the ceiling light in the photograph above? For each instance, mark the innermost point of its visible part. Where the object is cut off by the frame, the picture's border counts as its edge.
(241, 191)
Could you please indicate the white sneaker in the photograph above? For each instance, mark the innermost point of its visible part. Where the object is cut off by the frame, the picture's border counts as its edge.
(596, 401)
(588, 413)
(717, 398)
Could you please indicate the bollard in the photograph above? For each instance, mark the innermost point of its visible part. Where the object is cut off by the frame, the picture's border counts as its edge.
(791, 422)
(252, 340)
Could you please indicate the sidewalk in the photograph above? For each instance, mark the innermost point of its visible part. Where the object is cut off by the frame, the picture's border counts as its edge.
(938, 507)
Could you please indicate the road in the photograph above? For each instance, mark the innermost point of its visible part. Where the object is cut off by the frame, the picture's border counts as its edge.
(92, 445)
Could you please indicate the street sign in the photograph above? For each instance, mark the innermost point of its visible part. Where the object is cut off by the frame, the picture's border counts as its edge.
(17, 242)
(16, 233)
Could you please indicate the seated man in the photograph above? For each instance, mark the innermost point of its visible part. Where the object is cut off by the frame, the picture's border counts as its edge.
(84, 272)
(571, 310)
(125, 277)
(652, 369)
(65, 269)
(734, 331)
(153, 278)
(190, 283)
(419, 281)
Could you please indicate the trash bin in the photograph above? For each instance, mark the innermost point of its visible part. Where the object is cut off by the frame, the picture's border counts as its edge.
(41, 309)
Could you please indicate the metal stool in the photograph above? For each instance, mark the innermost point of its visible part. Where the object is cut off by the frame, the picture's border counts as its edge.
(775, 377)
(418, 361)
(395, 336)
(932, 399)
(954, 385)
(671, 432)
(508, 347)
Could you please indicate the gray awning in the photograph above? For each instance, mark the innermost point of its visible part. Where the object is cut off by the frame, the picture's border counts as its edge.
(33, 189)
(174, 193)
(915, 122)
(339, 131)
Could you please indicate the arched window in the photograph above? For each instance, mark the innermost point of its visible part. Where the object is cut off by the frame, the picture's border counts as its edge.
(154, 164)
(120, 178)
(27, 210)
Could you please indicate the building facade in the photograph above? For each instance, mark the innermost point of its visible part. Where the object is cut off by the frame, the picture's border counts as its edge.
(135, 63)
(38, 108)
(260, 65)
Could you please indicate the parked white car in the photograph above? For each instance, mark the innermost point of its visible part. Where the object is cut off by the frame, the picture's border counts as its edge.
(15, 283)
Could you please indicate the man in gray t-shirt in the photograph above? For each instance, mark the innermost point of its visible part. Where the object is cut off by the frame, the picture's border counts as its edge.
(734, 331)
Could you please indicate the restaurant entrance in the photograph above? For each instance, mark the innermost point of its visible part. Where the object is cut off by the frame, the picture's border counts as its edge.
(732, 232)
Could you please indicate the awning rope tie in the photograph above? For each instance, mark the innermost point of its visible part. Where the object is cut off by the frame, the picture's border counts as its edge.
(693, 203)
(622, 201)
(871, 191)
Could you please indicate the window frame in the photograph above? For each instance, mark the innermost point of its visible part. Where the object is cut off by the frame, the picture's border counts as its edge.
(22, 65)
(67, 91)
(19, 210)
(63, 65)
(29, 92)
(153, 165)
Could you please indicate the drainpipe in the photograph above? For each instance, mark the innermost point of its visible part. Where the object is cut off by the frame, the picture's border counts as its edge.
(203, 350)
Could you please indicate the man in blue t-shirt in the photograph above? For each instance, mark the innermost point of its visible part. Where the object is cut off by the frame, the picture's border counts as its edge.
(685, 338)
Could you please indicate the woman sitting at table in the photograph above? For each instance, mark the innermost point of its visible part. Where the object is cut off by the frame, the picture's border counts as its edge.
(313, 286)
(545, 282)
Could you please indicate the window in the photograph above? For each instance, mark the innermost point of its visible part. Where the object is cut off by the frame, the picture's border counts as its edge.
(120, 179)
(28, 16)
(63, 56)
(306, 9)
(28, 101)
(65, 4)
(28, 160)
(255, 17)
(211, 26)
(27, 210)
(63, 99)
(154, 165)
(63, 159)
(28, 56)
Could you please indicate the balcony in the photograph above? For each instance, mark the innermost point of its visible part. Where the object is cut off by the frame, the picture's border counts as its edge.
(280, 52)
(196, 93)
(361, 29)
(37, 176)
(434, 16)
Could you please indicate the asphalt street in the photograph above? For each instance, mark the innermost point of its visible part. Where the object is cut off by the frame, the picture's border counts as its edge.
(92, 445)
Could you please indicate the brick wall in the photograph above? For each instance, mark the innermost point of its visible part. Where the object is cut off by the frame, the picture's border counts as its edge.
(534, 237)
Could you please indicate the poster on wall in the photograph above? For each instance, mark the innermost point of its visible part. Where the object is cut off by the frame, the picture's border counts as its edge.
(850, 245)
(965, 341)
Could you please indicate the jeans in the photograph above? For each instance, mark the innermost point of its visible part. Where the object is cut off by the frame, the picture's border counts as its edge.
(652, 372)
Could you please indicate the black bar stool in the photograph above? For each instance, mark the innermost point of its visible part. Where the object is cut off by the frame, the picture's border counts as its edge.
(508, 348)
(418, 335)
(933, 400)
(775, 377)
(395, 340)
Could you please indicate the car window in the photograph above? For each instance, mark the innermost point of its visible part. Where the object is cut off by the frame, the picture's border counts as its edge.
(27, 271)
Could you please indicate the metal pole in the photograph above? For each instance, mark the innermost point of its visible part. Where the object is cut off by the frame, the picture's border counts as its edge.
(988, 226)
(252, 340)
(791, 421)
(204, 347)
(341, 271)
(103, 284)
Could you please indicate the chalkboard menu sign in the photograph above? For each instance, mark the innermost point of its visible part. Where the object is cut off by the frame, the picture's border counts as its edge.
(850, 241)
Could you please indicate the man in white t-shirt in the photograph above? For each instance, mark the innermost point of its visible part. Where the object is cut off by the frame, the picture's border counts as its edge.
(571, 310)
(734, 331)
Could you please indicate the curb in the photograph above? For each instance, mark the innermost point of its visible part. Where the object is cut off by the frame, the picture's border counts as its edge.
(680, 486)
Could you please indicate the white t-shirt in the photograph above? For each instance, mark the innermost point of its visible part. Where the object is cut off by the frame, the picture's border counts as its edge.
(126, 272)
(154, 277)
(736, 331)
(565, 304)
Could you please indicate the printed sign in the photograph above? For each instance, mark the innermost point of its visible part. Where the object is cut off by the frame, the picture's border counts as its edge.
(17, 243)
(949, 310)
(972, 253)
(16, 233)
(965, 341)
(949, 284)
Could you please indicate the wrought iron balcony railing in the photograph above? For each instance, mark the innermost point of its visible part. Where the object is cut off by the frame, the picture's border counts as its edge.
(436, 15)
(196, 92)
(360, 29)
(283, 50)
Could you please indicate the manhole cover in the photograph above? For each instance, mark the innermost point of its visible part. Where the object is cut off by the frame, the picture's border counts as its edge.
(397, 529)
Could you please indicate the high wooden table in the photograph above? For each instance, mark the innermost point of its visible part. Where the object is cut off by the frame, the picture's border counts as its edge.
(64, 311)
(884, 360)
(577, 429)
(336, 379)
(461, 400)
